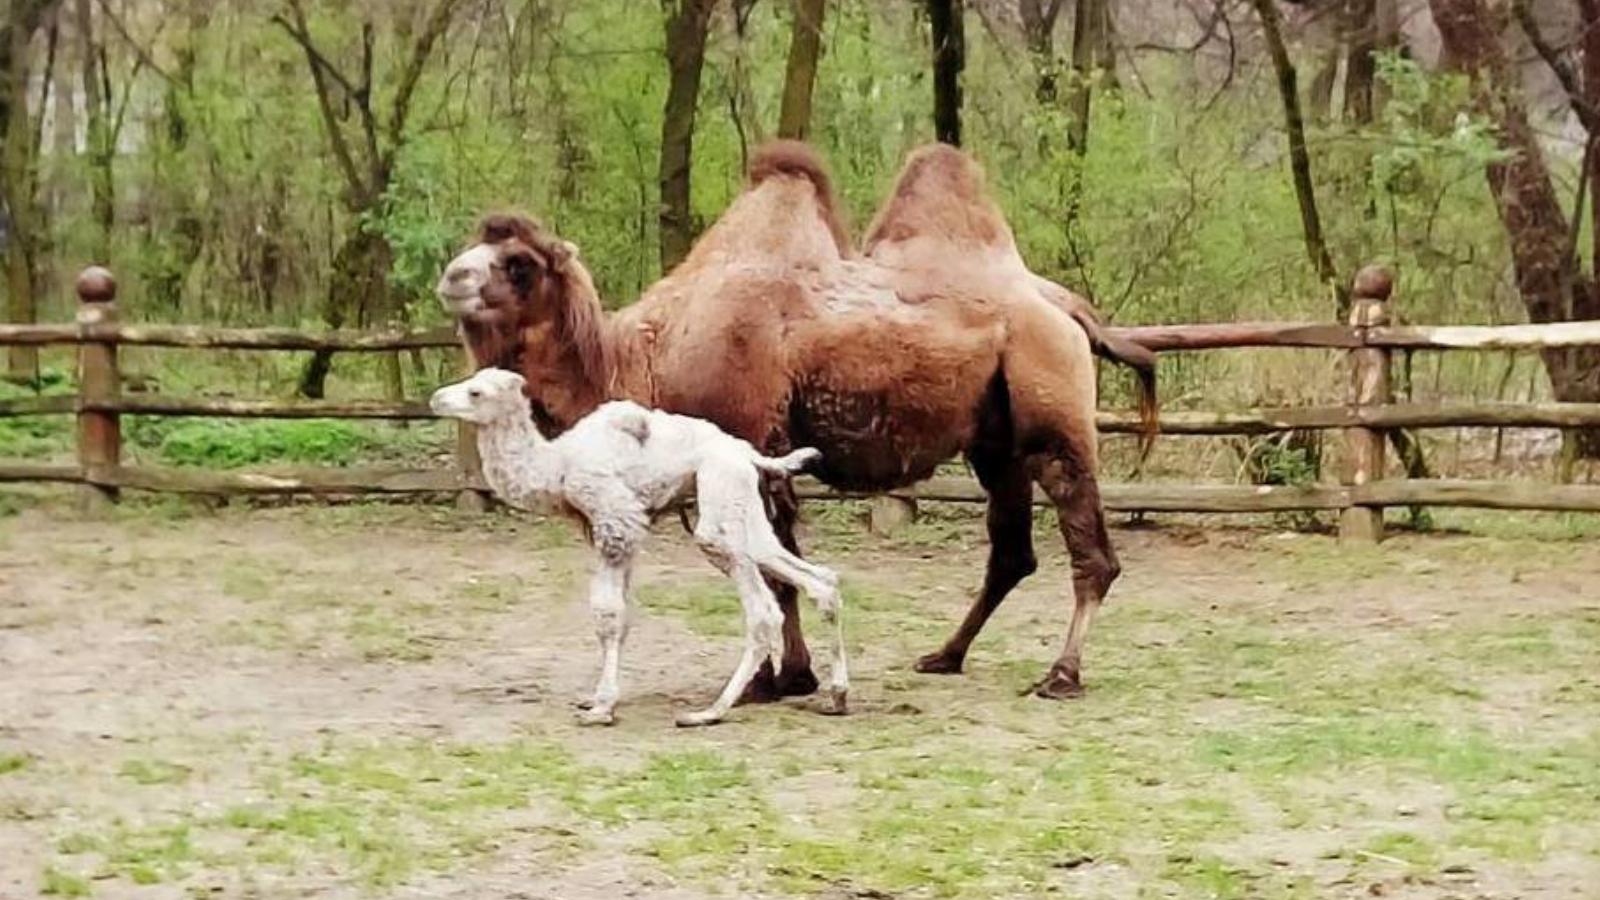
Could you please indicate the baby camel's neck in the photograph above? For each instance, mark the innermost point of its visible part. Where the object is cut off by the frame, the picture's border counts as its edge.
(521, 467)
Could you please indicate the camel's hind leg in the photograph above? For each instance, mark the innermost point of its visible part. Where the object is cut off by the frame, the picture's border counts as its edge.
(1011, 558)
(1073, 489)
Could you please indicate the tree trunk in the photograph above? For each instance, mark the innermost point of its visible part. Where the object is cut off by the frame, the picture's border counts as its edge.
(1320, 96)
(805, 45)
(1038, 28)
(1299, 158)
(24, 227)
(1553, 288)
(687, 21)
(1089, 42)
(949, 58)
(744, 112)
(359, 281)
(96, 102)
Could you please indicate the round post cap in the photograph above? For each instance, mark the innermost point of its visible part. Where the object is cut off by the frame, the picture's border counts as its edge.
(96, 285)
(1373, 283)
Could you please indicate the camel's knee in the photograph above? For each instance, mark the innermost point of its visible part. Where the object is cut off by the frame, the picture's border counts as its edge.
(716, 544)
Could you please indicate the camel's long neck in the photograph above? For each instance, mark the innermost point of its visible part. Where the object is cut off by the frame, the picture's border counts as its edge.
(569, 359)
(521, 467)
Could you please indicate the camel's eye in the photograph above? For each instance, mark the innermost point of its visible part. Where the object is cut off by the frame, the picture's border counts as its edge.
(519, 269)
(475, 394)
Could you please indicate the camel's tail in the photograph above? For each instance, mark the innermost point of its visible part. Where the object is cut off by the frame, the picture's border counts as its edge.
(1136, 356)
(790, 464)
(1139, 358)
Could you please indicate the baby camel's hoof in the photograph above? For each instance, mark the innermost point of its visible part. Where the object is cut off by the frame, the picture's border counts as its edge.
(697, 719)
(1058, 685)
(838, 703)
(592, 716)
(939, 663)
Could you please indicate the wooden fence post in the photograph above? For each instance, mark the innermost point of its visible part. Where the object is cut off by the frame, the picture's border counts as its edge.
(468, 463)
(99, 431)
(887, 514)
(1369, 386)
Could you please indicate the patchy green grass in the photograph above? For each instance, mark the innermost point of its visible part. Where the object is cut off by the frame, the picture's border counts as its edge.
(56, 883)
(154, 771)
(1267, 717)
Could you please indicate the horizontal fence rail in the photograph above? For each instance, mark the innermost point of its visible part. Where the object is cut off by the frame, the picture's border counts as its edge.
(206, 338)
(1364, 420)
(1124, 497)
(1174, 422)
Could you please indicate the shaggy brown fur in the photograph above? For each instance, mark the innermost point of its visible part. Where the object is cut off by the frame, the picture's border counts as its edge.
(938, 342)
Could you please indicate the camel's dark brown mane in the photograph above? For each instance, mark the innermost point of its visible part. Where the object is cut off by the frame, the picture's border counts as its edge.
(796, 159)
(563, 285)
(940, 193)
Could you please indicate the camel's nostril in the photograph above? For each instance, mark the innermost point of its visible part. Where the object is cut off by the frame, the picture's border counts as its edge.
(458, 276)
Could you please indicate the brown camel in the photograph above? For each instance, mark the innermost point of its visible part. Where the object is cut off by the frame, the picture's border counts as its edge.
(937, 340)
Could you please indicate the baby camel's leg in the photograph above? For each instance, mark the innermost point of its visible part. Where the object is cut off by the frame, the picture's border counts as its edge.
(763, 623)
(608, 603)
(822, 584)
(727, 498)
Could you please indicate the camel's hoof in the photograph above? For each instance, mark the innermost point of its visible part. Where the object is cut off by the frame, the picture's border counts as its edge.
(766, 688)
(696, 719)
(762, 689)
(940, 663)
(1058, 685)
(593, 716)
(797, 682)
(838, 702)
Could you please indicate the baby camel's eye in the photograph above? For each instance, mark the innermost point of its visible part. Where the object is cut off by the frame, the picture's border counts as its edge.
(474, 393)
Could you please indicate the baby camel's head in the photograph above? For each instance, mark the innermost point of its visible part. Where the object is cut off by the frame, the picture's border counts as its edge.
(488, 396)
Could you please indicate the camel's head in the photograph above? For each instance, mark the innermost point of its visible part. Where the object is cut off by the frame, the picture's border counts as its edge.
(512, 266)
(490, 395)
(523, 299)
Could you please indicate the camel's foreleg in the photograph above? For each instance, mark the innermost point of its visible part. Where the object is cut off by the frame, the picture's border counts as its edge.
(608, 604)
(1011, 559)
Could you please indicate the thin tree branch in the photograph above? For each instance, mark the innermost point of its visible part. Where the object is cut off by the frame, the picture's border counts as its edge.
(1560, 65)
(363, 101)
(139, 52)
(1299, 157)
(1576, 227)
(438, 23)
(321, 71)
(301, 33)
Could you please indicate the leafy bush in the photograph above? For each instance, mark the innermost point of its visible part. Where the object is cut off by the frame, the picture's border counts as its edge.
(223, 444)
(31, 437)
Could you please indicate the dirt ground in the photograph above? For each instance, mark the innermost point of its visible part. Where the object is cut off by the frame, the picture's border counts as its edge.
(376, 701)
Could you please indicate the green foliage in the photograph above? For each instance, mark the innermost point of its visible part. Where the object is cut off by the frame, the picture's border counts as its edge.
(231, 444)
(56, 883)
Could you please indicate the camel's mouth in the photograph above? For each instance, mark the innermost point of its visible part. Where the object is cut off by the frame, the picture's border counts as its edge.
(463, 305)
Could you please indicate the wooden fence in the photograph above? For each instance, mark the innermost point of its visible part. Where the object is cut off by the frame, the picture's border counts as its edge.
(1360, 496)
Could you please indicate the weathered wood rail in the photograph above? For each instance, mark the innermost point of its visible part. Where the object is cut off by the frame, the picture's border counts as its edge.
(1360, 497)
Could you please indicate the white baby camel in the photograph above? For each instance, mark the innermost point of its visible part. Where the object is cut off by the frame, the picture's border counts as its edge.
(619, 467)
